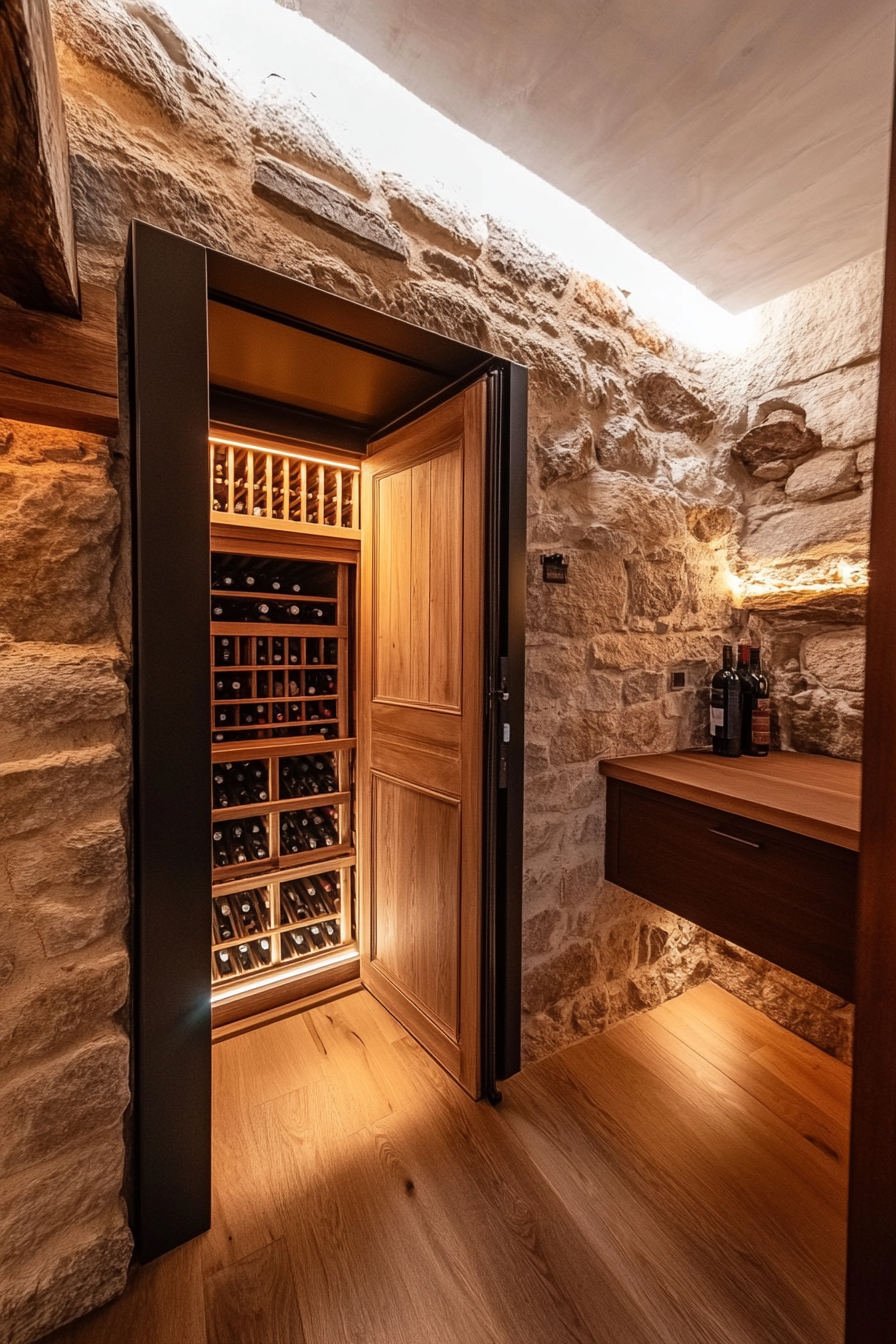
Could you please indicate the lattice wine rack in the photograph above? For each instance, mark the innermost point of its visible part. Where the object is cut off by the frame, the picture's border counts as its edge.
(271, 487)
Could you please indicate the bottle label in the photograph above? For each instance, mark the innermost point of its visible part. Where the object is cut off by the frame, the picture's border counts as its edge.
(717, 712)
(761, 724)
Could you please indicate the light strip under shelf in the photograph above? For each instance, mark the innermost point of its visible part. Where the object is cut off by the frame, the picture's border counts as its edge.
(288, 973)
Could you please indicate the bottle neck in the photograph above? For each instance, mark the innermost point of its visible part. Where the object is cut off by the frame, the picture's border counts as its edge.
(743, 655)
(727, 657)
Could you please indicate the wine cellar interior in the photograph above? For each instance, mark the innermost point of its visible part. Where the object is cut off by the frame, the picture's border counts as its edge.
(282, 733)
(415, 926)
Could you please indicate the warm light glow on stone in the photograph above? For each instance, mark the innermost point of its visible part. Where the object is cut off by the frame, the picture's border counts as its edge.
(772, 585)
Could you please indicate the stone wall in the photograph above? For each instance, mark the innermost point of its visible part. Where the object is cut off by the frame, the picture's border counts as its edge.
(64, 900)
(633, 475)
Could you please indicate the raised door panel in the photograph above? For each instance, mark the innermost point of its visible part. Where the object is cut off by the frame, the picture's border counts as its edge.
(417, 577)
(415, 894)
(421, 703)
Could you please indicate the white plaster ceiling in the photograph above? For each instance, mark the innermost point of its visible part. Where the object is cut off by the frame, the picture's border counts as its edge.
(742, 142)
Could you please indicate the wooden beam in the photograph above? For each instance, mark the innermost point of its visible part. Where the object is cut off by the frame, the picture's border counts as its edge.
(871, 1281)
(38, 261)
(57, 371)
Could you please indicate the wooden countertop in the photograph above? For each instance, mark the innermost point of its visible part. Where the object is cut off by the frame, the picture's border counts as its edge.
(811, 795)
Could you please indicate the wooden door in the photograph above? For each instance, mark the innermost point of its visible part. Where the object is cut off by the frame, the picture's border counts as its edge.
(421, 717)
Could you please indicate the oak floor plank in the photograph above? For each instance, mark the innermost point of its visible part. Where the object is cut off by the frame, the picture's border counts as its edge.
(696, 1149)
(666, 1182)
(728, 1014)
(254, 1301)
(506, 1243)
(781, 1094)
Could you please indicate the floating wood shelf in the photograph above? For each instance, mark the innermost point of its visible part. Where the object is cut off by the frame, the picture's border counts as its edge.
(761, 851)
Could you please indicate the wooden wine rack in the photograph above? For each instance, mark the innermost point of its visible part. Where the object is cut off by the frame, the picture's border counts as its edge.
(277, 711)
(283, 490)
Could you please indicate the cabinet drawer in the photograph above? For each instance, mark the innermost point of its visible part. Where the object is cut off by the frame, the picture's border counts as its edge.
(789, 899)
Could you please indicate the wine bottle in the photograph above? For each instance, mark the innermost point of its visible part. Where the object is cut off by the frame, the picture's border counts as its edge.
(263, 951)
(277, 651)
(236, 843)
(327, 885)
(261, 652)
(289, 836)
(747, 698)
(249, 917)
(315, 937)
(223, 920)
(224, 964)
(297, 943)
(223, 651)
(244, 957)
(760, 718)
(724, 707)
(331, 932)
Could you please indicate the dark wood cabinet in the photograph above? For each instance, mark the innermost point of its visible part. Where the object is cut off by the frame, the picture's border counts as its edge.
(787, 897)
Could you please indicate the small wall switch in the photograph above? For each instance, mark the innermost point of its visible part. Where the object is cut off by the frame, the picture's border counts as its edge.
(554, 568)
(678, 679)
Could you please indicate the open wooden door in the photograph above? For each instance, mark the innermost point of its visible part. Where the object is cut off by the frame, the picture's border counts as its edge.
(421, 710)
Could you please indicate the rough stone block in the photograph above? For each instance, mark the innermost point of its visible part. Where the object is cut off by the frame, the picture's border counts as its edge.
(837, 659)
(709, 523)
(827, 474)
(818, 529)
(440, 307)
(60, 787)
(865, 457)
(106, 35)
(58, 524)
(296, 192)
(517, 258)
(774, 444)
(840, 406)
(107, 195)
(55, 1196)
(657, 584)
(451, 267)
(670, 404)
(567, 456)
(594, 597)
(73, 1273)
(431, 216)
(824, 723)
(48, 687)
(60, 1003)
(56, 1104)
(283, 125)
(622, 445)
(624, 504)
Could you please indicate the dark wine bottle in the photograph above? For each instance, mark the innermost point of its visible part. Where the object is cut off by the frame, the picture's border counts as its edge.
(724, 707)
(289, 836)
(277, 651)
(248, 914)
(220, 849)
(261, 652)
(223, 920)
(223, 651)
(244, 957)
(224, 964)
(760, 715)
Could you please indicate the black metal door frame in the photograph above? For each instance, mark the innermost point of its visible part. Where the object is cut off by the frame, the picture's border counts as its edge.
(168, 282)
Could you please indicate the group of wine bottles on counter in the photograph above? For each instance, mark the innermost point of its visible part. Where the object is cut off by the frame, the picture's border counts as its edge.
(241, 841)
(284, 578)
(314, 829)
(739, 709)
(261, 651)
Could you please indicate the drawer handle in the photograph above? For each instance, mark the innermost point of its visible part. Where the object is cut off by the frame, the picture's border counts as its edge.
(752, 844)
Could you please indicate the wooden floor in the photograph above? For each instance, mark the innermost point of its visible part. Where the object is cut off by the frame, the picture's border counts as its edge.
(678, 1180)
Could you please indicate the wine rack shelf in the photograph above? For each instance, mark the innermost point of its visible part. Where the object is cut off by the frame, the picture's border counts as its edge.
(283, 490)
(282, 754)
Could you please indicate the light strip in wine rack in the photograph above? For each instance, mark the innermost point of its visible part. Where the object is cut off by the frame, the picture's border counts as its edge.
(274, 488)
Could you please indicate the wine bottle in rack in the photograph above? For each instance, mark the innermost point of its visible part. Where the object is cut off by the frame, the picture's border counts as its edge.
(224, 964)
(220, 848)
(277, 650)
(244, 957)
(316, 938)
(261, 652)
(223, 920)
(248, 914)
(331, 932)
(263, 951)
(224, 652)
(256, 839)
